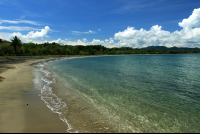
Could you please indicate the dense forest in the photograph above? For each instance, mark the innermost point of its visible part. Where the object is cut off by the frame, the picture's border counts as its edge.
(16, 47)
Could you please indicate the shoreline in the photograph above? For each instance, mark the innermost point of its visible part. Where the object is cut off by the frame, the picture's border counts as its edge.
(18, 102)
(17, 116)
(17, 90)
(17, 81)
(16, 84)
(78, 114)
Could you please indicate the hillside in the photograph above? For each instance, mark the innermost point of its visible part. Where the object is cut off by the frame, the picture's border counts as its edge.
(168, 48)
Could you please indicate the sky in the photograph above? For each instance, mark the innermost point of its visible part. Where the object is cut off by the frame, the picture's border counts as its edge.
(110, 23)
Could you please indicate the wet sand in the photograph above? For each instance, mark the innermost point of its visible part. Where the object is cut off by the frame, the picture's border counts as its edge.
(21, 110)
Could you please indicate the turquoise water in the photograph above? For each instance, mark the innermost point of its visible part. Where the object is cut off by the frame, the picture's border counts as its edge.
(130, 93)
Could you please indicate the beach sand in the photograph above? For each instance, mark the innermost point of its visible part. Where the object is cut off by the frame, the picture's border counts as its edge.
(20, 110)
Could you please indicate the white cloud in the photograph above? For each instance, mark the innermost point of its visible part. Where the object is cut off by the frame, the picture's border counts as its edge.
(82, 42)
(99, 29)
(96, 42)
(19, 21)
(78, 32)
(109, 41)
(106, 42)
(192, 21)
(16, 28)
(79, 42)
(84, 39)
(8, 36)
(188, 36)
(41, 34)
(28, 37)
(60, 41)
(131, 37)
(65, 42)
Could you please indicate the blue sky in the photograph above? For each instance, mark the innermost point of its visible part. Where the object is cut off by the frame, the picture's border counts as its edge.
(112, 23)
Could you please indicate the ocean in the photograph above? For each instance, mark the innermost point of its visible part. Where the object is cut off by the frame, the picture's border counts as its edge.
(126, 93)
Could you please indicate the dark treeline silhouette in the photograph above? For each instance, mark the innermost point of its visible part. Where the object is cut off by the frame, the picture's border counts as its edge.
(17, 48)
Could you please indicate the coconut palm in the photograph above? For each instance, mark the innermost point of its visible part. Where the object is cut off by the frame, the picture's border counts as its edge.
(16, 42)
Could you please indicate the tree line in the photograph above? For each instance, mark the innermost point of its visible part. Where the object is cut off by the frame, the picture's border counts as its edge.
(16, 47)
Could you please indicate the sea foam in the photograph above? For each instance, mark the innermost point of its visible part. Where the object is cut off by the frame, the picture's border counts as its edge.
(52, 101)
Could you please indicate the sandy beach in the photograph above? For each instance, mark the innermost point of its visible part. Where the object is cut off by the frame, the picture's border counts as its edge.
(21, 107)
(21, 111)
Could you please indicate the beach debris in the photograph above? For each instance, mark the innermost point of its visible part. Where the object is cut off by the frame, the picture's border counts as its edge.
(27, 104)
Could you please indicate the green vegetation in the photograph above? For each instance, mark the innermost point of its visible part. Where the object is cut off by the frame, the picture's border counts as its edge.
(16, 43)
(17, 48)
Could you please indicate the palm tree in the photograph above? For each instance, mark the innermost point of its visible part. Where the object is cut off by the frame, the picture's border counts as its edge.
(16, 42)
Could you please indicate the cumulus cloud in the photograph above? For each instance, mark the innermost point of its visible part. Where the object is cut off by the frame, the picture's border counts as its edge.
(192, 21)
(41, 34)
(97, 41)
(189, 35)
(131, 37)
(60, 41)
(106, 42)
(67, 42)
(19, 21)
(28, 37)
(79, 33)
(84, 39)
(79, 42)
(8, 36)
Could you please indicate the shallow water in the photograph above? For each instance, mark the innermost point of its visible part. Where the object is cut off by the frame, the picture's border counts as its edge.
(38, 117)
(134, 93)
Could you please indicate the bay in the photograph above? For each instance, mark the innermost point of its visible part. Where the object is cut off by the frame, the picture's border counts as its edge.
(129, 93)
